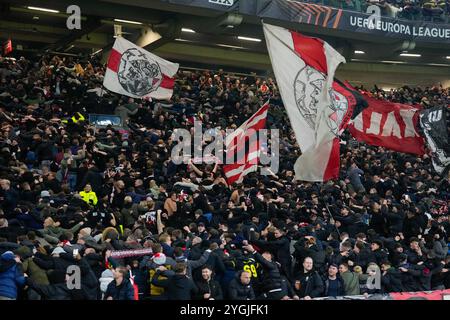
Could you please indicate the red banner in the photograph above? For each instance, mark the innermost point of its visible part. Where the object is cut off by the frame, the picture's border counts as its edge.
(390, 125)
(7, 47)
(422, 295)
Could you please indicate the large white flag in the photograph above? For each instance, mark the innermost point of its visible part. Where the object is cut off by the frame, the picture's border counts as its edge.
(137, 73)
(304, 68)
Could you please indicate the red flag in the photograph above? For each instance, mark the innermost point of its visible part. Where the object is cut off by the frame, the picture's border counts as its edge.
(390, 125)
(7, 47)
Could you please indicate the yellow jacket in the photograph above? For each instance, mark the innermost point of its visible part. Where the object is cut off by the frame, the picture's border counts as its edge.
(89, 197)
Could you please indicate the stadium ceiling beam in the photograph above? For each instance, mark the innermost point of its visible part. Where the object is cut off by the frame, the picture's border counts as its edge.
(91, 8)
(202, 54)
(90, 25)
(30, 28)
(168, 31)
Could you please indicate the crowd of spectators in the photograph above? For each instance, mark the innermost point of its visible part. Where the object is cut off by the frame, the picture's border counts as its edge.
(72, 194)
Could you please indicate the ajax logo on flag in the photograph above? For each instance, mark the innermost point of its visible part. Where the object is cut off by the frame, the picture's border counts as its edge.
(138, 74)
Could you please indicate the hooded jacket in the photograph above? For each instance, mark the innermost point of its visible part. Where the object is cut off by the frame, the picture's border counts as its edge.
(105, 280)
(11, 276)
(37, 274)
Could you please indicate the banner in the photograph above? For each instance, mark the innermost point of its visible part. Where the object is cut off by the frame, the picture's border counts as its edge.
(420, 295)
(434, 125)
(390, 125)
(334, 18)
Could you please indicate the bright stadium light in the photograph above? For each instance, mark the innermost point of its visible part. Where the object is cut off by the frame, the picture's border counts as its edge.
(447, 57)
(359, 52)
(127, 21)
(395, 62)
(187, 30)
(249, 39)
(43, 9)
(414, 55)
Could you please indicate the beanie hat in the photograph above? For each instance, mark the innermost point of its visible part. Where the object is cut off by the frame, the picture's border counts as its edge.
(45, 193)
(58, 250)
(8, 256)
(159, 258)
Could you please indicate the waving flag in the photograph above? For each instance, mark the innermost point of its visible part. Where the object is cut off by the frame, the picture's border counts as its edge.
(435, 128)
(243, 147)
(137, 73)
(318, 108)
(390, 125)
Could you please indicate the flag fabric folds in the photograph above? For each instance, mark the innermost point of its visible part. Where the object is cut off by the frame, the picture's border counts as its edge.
(243, 147)
(390, 125)
(434, 125)
(318, 109)
(137, 73)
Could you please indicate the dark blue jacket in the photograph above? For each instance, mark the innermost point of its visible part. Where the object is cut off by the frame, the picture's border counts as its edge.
(123, 292)
(11, 277)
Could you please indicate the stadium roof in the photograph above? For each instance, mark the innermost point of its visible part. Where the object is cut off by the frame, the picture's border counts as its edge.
(189, 33)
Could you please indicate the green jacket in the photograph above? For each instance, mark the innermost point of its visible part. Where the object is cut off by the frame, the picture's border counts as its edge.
(351, 283)
(38, 275)
(52, 234)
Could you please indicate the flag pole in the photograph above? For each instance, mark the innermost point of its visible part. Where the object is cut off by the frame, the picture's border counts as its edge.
(329, 212)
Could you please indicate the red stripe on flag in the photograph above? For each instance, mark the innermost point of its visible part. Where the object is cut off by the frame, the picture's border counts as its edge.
(311, 51)
(332, 169)
(167, 82)
(239, 143)
(114, 60)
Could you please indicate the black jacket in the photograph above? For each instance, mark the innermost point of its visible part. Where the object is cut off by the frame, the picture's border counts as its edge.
(178, 287)
(308, 284)
(391, 281)
(58, 291)
(238, 291)
(212, 287)
(271, 277)
(280, 248)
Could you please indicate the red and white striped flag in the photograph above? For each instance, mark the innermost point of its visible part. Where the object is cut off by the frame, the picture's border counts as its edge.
(241, 160)
(137, 73)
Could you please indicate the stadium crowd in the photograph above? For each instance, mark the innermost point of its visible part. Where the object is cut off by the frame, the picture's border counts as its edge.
(95, 197)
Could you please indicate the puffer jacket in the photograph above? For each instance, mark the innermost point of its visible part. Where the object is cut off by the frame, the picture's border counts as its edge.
(11, 276)
(238, 291)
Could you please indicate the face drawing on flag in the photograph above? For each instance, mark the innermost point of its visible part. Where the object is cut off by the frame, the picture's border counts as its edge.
(138, 74)
(308, 85)
(339, 105)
